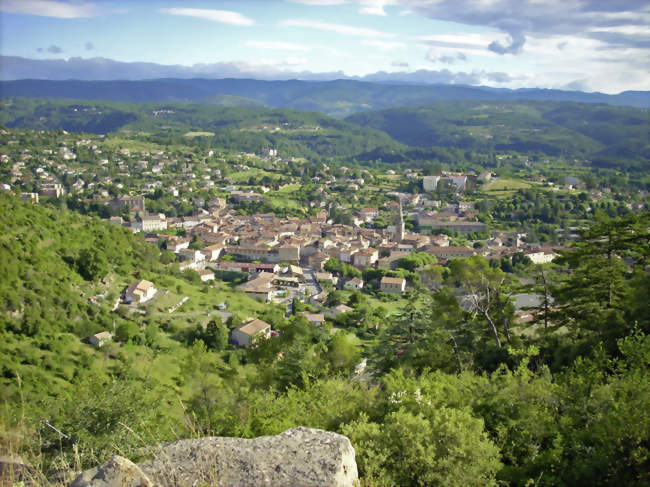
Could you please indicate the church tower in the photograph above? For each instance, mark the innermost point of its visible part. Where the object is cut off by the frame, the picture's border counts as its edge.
(399, 224)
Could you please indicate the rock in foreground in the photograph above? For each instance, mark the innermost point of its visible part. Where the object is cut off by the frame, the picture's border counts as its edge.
(299, 456)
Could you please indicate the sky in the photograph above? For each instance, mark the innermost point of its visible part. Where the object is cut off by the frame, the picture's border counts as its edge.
(587, 45)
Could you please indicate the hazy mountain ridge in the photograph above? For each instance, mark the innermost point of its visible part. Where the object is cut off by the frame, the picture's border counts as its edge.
(337, 98)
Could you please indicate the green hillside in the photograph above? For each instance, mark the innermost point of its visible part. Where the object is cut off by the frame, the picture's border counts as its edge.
(292, 132)
(568, 403)
(609, 136)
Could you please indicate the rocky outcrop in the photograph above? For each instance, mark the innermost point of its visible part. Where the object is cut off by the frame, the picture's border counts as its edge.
(299, 456)
(117, 472)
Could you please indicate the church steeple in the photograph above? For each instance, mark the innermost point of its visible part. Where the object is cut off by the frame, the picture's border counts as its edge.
(399, 223)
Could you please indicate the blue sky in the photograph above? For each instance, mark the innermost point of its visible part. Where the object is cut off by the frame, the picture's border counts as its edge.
(593, 45)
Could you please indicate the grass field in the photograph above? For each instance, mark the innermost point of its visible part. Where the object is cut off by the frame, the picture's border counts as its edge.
(131, 144)
(199, 134)
(504, 184)
(243, 176)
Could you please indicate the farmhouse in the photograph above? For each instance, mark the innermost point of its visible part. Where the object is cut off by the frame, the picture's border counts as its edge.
(139, 292)
(394, 285)
(247, 333)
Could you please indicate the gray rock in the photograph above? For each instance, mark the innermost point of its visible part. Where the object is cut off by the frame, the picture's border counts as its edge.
(117, 472)
(299, 456)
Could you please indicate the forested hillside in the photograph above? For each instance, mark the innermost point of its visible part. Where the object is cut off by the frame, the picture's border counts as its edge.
(293, 132)
(615, 137)
(602, 135)
(560, 404)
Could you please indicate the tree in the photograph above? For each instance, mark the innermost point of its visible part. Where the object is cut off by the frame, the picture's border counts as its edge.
(484, 287)
(92, 264)
(419, 337)
(215, 335)
(424, 446)
(595, 298)
(342, 352)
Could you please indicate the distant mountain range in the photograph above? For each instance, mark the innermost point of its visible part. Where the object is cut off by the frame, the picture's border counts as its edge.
(338, 98)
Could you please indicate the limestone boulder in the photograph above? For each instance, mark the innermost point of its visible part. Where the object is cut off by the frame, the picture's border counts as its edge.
(299, 456)
(117, 472)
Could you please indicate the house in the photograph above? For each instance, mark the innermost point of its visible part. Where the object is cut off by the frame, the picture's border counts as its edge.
(191, 255)
(240, 196)
(99, 339)
(247, 333)
(316, 319)
(178, 244)
(54, 190)
(134, 204)
(206, 275)
(326, 277)
(260, 287)
(541, 256)
(212, 252)
(150, 223)
(395, 285)
(249, 267)
(367, 215)
(430, 183)
(318, 260)
(29, 197)
(354, 283)
(366, 257)
(334, 311)
(450, 252)
(139, 292)
(289, 253)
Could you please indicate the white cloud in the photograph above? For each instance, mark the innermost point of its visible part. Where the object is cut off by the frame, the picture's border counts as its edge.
(222, 16)
(366, 7)
(49, 8)
(338, 28)
(461, 40)
(277, 45)
(386, 46)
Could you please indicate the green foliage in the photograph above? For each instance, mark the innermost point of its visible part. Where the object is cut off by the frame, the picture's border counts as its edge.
(599, 299)
(215, 335)
(92, 264)
(416, 260)
(425, 446)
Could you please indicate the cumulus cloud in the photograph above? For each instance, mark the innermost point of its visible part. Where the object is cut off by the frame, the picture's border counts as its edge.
(337, 28)
(49, 8)
(221, 16)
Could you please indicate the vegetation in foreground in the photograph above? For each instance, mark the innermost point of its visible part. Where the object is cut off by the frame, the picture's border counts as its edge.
(448, 397)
